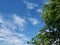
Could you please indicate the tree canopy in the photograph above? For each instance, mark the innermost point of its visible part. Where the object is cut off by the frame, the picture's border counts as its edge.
(50, 33)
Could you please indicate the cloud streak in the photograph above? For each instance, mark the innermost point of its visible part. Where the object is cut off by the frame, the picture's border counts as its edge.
(10, 29)
(8, 35)
(30, 5)
(39, 10)
(19, 21)
(33, 21)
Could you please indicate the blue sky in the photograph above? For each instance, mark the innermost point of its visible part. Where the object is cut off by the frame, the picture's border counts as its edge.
(20, 20)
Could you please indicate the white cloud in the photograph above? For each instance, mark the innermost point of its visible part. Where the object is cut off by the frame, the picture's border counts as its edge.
(1, 21)
(8, 35)
(46, 2)
(39, 10)
(34, 21)
(30, 5)
(19, 21)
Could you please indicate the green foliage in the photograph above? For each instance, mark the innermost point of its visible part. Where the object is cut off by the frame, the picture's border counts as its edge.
(49, 34)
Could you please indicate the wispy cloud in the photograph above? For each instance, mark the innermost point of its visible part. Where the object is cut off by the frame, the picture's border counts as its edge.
(39, 10)
(8, 27)
(46, 2)
(19, 21)
(30, 5)
(34, 21)
(8, 35)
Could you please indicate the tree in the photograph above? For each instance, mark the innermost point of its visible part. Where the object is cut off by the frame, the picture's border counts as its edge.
(50, 33)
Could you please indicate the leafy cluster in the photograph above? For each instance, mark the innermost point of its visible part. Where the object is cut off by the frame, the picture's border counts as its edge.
(50, 33)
